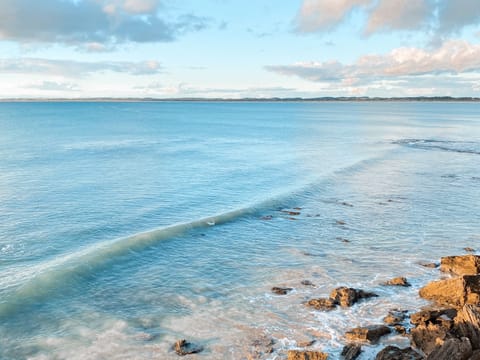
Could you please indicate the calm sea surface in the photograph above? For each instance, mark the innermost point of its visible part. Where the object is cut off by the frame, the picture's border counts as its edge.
(127, 226)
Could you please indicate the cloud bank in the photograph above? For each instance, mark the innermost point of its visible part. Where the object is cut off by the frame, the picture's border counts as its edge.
(441, 16)
(453, 57)
(91, 22)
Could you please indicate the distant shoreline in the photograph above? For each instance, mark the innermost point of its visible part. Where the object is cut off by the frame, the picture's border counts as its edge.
(316, 99)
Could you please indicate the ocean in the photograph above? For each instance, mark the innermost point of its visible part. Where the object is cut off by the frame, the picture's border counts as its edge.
(125, 226)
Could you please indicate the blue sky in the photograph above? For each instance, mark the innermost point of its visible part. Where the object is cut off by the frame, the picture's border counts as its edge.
(234, 48)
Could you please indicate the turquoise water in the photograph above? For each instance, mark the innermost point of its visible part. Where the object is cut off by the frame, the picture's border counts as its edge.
(126, 226)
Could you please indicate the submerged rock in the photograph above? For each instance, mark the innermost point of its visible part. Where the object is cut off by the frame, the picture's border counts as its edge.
(370, 333)
(395, 353)
(398, 281)
(183, 347)
(306, 355)
(429, 264)
(461, 265)
(351, 351)
(457, 292)
(395, 317)
(281, 290)
(307, 283)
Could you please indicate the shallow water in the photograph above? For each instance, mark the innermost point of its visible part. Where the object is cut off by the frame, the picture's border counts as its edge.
(126, 226)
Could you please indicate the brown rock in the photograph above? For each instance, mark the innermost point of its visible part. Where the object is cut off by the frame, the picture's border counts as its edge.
(430, 316)
(457, 292)
(307, 283)
(426, 337)
(322, 304)
(345, 296)
(469, 249)
(461, 265)
(402, 330)
(395, 353)
(458, 349)
(467, 324)
(398, 281)
(351, 351)
(306, 343)
(394, 317)
(306, 355)
(475, 355)
(183, 347)
(281, 290)
(368, 333)
(260, 347)
(428, 265)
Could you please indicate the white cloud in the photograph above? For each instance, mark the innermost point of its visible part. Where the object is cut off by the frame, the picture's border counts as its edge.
(398, 15)
(442, 16)
(321, 15)
(90, 21)
(71, 68)
(453, 57)
(54, 86)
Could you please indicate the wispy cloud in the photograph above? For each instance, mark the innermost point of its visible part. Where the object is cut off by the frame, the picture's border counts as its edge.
(54, 86)
(453, 57)
(91, 21)
(71, 68)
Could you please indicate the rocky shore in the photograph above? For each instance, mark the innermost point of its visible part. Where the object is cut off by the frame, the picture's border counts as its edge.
(448, 329)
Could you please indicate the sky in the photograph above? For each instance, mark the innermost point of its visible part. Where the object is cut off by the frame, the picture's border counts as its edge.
(238, 48)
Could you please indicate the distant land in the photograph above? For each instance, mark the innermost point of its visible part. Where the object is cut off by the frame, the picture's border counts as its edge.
(274, 99)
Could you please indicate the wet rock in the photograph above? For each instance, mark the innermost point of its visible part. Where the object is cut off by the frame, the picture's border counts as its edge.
(394, 317)
(430, 316)
(475, 355)
(458, 349)
(398, 281)
(306, 343)
(346, 297)
(467, 324)
(322, 304)
(427, 337)
(260, 347)
(266, 217)
(306, 355)
(430, 265)
(351, 351)
(461, 265)
(400, 329)
(183, 347)
(340, 222)
(281, 290)
(307, 283)
(457, 292)
(344, 203)
(368, 333)
(469, 249)
(343, 239)
(395, 353)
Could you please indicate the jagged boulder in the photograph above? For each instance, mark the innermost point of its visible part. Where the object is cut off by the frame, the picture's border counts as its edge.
(467, 324)
(183, 347)
(398, 281)
(324, 304)
(457, 292)
(351, 351)
(461, 265)
(281, 290)
(453, 348)
(345, 296)
(431, 316)
(427, 337)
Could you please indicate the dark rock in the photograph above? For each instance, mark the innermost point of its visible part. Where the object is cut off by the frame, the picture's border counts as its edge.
(428, 264)
(395, 353)
(469, 249)
(322, 304)
(394, 317)
(307, 283)
(458, 349)
(306, 355)
(306, 343)
(340, 222)
(267, 217)
(346, 297)
(398, 281)
(467, 324)
(343, 239)
(260, 347)
(475, 355)
(400, 329)
(281, 290)
(183, 347)
(457, 292)
(344, 203)
(297, 208)
(430, 316)
(368, 333)
(351, 351)
(427, 337)
(461, 265)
